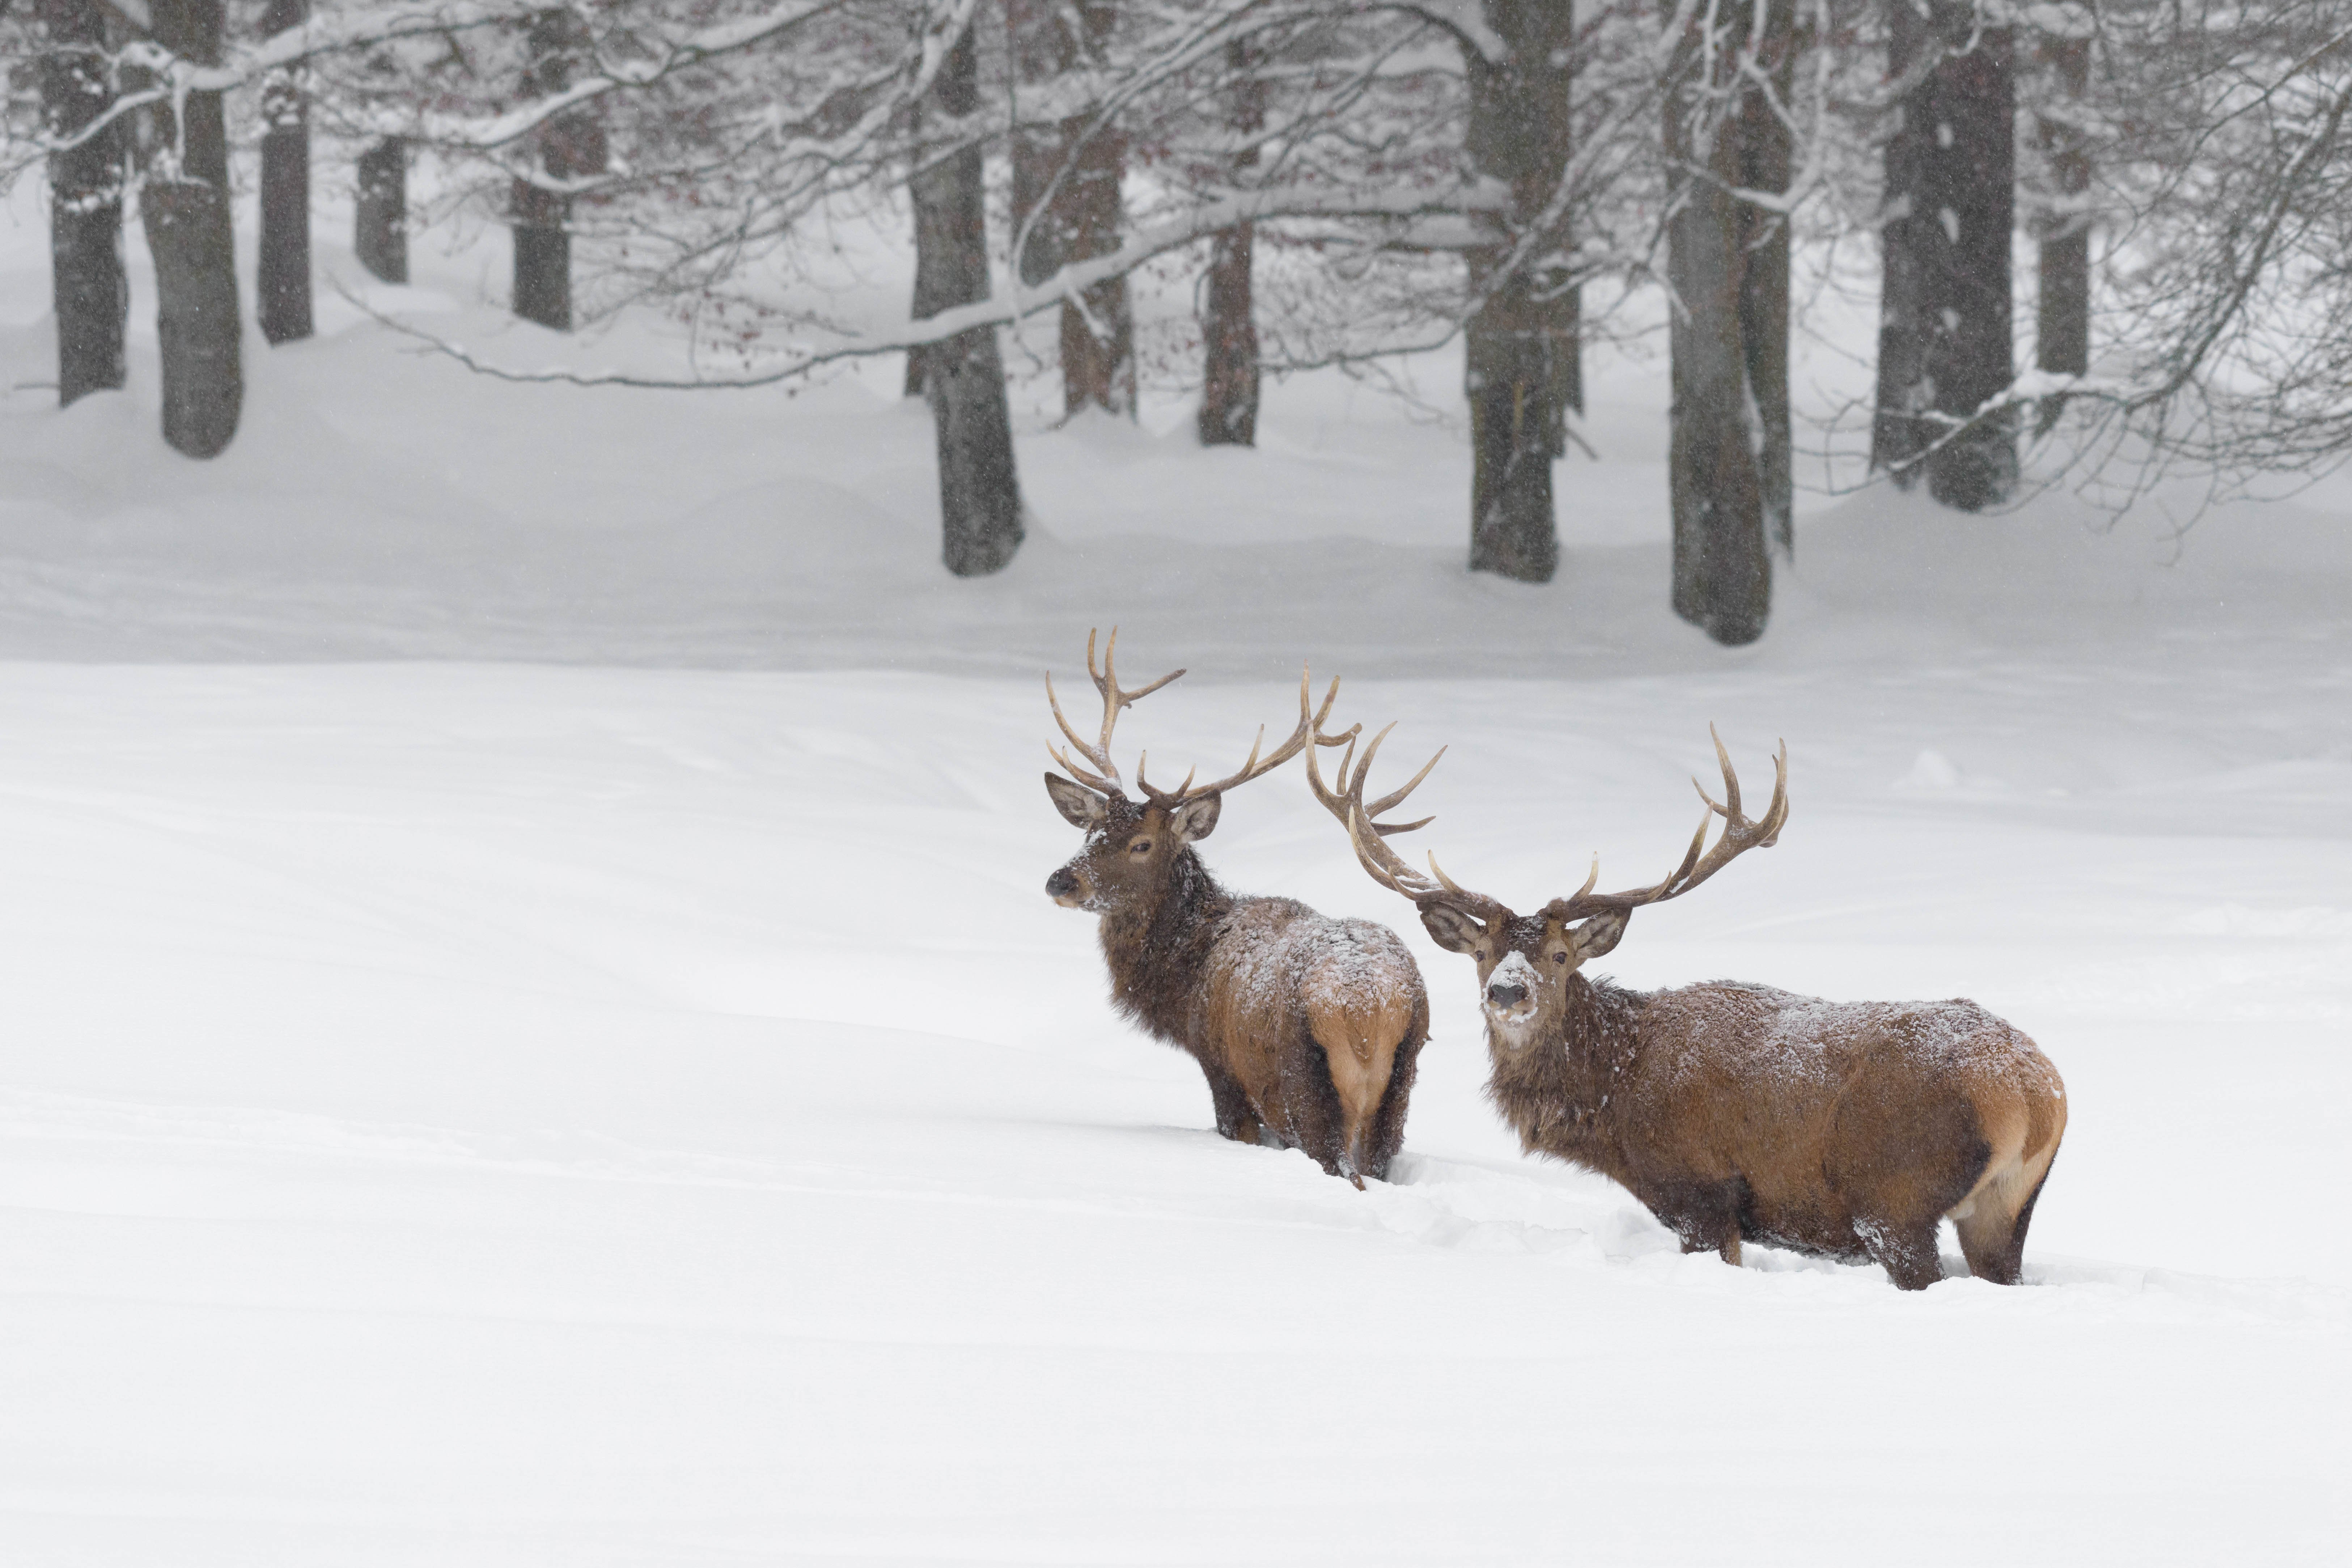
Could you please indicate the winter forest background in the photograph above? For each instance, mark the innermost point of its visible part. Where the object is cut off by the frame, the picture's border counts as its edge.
(528, 540)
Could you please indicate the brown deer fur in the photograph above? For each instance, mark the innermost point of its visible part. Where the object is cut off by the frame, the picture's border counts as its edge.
(1736, 1112)
(1308, 1030)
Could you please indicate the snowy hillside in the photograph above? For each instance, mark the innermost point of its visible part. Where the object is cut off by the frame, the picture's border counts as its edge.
(537, 1036)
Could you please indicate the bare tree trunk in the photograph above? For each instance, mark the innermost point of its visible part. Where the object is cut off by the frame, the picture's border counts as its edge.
(1944, 346)
(2063, 331)
(1766, 156)
(1066, 189)
(568, 146)
(1229, 381)
(285, 268)
(184, 208)
(380, 219)
(1526, 326)
(92, 297)
(1722, 561)
(964, 377)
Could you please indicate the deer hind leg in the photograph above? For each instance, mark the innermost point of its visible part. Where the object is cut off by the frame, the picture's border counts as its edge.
(1992, 1219)
(1992, 1232)
(1237, 1119)
(1356, 1046)
(1907, 1253)
(1388, 1126)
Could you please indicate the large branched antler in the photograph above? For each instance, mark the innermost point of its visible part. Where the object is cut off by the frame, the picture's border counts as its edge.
(1389, 868)
(1384, 865)
(1106, 777)
(1739, 836)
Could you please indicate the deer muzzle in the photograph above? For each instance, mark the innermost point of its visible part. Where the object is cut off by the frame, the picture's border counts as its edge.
(1063, 887)
(1510, 996)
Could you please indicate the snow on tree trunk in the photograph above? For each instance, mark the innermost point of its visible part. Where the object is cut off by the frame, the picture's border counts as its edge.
(964, 377)
(284, 282)
(1229, 379)
(569, 147)
(380, 217)
(1722, 560)
(91, 295)
(1066, 191)
(2062, 329)
(1525, 324)
(1944, 344)
(184, 205)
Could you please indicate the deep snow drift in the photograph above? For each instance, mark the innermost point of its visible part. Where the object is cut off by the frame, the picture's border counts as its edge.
(536, 1035)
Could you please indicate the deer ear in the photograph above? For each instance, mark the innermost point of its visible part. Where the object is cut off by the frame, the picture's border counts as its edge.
(1598, 934)
(1079, 807)
(1195, 819)
(1451, 929)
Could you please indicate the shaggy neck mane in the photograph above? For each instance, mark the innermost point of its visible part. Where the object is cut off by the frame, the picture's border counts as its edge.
(1556, 1092)
(1157, 954)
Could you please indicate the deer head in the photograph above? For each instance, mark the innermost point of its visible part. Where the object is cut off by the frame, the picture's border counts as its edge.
(1132, 845)
(1524, 961)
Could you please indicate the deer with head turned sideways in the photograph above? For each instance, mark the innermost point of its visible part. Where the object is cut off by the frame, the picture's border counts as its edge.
(1308, 1030)
(1736, 1112)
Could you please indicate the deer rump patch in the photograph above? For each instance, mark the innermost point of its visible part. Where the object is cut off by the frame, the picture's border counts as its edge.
(1296, 1001)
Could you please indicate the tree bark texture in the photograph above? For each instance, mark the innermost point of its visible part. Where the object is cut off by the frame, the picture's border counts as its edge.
(184, 208)
(1767, 163)
(1066, 190)
(1730, 284)
(1229, 378)
(2063, 330)
(92, 297)
(284, 282)
(964, 377)
(569, 147)
(1521, 343)
(380, 217)
(1944, 346)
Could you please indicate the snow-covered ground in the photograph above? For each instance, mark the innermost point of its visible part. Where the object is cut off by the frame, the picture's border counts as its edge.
(536, 1036)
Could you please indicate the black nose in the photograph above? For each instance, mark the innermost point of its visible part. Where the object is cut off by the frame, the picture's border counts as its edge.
(1061, 884)
(1506, 996)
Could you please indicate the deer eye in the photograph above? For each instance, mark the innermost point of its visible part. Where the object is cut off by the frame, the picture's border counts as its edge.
(1140, 846)
(1482, 952)
(1559, 958)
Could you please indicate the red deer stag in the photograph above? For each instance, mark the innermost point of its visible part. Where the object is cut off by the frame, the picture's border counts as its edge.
(1308, 1030)
(1736, 1111)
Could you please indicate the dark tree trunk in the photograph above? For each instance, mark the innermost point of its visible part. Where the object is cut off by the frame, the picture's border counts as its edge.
(92, 297)
(1521, 343)
(1229, 385)
(1944, 344)
(1229, 381)
(1766, 155)
(284, 266)
(184, 208)
(2063, 331)
(1074, 171)
(963, 378)
(568, 146)
(380, 220)
(1722, 562)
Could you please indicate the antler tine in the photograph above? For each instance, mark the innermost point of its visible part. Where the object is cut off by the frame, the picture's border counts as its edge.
(1698, 863)
(1106, 776)
(1309, 729)
(1380, 862)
